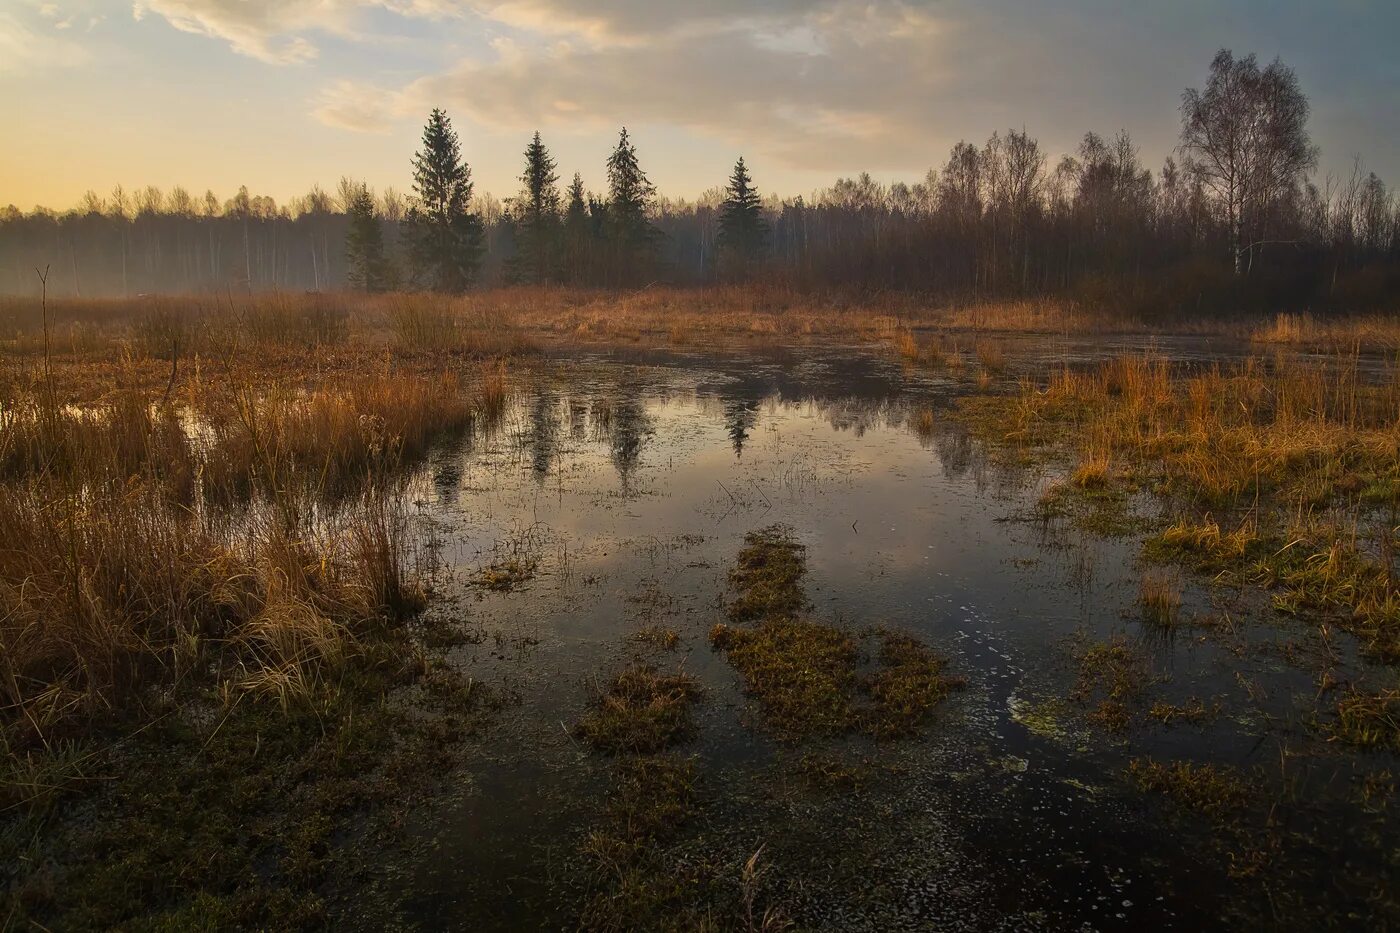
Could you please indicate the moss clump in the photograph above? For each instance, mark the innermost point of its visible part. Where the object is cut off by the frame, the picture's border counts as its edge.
(907, 686)
(1214, 791)
(803, 674)
(640, 711)
(768, 576)
(1111, 678)
(806, 675)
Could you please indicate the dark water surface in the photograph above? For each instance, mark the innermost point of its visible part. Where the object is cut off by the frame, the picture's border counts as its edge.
(631, 481)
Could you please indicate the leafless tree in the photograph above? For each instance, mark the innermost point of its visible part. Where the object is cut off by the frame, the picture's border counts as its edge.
(1247, 135)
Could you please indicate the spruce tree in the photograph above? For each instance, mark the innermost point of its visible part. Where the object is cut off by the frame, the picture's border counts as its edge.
(632, 236)
(578, 233)
(538, 216)
(444, 237)
(743, 232)
(369, 267)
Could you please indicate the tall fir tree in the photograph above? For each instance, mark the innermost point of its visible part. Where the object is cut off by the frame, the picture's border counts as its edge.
(630, 192)
(444, 237)
(538, 217)
(743, 233)
(578, 234)
(369, 267)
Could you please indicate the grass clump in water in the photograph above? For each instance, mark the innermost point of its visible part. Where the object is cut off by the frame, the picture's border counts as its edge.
(504, 576)
(806, 676)
(657, 638)
(1112, 677)
(1193, 712)
(908, 685)
(641, 711)
(1369, 720)
(1214, 791)
(1160, 599)
(802, 673)
(768, 575)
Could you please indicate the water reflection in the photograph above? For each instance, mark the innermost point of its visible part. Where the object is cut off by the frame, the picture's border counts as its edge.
(906, 525)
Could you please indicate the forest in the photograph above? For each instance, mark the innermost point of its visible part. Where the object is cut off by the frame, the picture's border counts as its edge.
(1236, 219)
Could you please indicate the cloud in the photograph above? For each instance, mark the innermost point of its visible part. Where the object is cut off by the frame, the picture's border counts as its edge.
(356, 106)
(815, 89)
(815, 84)
(282, 31)
(24, 50)
(272, 31)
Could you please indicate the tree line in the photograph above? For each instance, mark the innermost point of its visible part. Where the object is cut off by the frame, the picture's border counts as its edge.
(1234, 218)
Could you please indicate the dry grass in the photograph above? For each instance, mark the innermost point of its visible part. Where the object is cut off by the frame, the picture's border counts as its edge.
(923, 424)
(1210, 790)
(1366, 332)
(281, 333)
(326, 439)
(109, 591)
(1304, 454)
(1369, 720)
(1160, 598)
(120, 575)
(640, 711)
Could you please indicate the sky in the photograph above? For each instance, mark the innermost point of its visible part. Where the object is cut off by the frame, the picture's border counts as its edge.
(280, 95)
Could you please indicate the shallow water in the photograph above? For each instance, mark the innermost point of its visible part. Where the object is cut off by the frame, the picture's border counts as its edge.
(630, 481)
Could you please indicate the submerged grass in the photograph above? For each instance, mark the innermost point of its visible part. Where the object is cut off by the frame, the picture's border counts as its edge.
(640, 711)
(1111, 679)
(808, 677)
(1211, 790)
(1369, 719)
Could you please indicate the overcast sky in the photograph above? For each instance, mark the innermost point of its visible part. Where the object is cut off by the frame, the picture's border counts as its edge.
(282, 94)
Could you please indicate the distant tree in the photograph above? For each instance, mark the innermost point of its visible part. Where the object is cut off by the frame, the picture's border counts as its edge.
(743, 233)
(368, 267)
(1247, 136)
(630, 193)
(444, 237)
(537, 216)
(578, 233)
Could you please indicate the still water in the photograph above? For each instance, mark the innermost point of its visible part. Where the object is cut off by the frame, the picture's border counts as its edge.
(628, 484)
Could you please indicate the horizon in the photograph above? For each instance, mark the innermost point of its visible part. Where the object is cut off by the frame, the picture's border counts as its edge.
(303, 94)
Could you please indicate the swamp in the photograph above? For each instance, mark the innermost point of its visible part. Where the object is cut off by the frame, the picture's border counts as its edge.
(906, 627)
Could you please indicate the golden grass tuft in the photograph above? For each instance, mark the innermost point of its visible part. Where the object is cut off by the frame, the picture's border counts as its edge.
(640, 711)
(1160, 598)
(1211, 790)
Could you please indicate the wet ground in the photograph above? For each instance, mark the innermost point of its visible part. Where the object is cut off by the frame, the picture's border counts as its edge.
(621, 487)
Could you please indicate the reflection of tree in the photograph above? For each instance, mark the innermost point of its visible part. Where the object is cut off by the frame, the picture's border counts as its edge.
(740, 415)
(542, 435)
(578, 417)
(858, 415)
(447, 470)
(631, 425)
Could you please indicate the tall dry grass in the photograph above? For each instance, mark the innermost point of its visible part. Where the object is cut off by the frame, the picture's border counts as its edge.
(325, 438)
(1364, 332)
(1302, 454)
(119, 582)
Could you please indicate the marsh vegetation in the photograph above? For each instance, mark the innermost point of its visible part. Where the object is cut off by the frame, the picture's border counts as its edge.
(315, 601)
